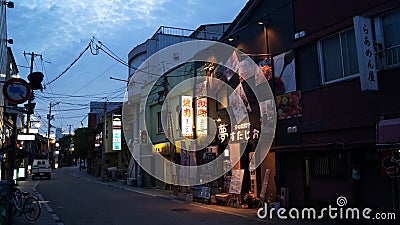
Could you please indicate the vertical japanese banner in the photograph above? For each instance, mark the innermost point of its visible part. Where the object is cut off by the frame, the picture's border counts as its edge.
(234, 155)
(201, 116)
(116, 131)
(192, 162)
(236, 182)
(365, 53)
(187, 117)
(183, 174)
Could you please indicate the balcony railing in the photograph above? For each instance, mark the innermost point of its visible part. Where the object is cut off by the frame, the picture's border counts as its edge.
(389, 58)
(164, 30)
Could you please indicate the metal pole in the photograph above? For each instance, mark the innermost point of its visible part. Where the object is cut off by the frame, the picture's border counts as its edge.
(48, 132)
(28, 116)
(103, 150)
(10, 172)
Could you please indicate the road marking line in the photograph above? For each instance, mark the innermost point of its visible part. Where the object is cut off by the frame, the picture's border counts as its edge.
(43, 202)
(39, 196)
(35, 186)
(55, 217)
(48, 208)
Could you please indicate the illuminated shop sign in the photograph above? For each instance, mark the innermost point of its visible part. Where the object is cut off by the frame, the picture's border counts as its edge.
(187, 116)
(116, 133)
(162, 148)
(201, 116)
(239, 133)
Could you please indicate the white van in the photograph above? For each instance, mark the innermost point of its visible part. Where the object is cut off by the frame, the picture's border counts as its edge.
(41, 168)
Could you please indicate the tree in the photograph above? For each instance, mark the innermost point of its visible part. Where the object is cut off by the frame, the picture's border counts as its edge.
(67, 158)
(81, 142)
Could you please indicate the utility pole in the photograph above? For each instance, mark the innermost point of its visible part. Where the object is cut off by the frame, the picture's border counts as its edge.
(10, 171)
(28, 116)
(103, 149)
(49, 118)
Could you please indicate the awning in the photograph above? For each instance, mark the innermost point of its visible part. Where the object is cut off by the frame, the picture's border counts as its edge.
(388, 131)
(329, 146)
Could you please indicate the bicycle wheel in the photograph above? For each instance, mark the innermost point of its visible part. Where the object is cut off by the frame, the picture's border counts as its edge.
(17, 199)
(31, 209)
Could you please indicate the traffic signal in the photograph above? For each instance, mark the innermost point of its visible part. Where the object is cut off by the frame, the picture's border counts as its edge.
(35, 80)
(29, 107)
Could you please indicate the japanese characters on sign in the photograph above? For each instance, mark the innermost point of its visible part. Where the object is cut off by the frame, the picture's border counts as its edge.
(201, 116)
(187, 116)
(365, 53)
(239, 133)
(116, 125)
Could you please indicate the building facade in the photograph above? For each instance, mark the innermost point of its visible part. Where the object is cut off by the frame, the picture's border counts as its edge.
(102, 154)
(162, 38)
(337, 130)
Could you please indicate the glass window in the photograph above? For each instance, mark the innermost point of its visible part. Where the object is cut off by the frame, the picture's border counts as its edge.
(338, 56)
(391, 31)
(160, 128)
(329, 165)
(391, 36)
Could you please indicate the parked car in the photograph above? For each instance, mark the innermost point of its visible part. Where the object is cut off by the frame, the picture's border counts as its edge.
(41, 168)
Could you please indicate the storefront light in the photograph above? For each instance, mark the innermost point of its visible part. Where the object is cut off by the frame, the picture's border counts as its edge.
(37, 124)
(226, 152)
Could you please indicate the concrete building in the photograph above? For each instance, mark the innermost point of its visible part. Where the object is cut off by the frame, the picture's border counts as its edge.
(101, 138)
(162, 38)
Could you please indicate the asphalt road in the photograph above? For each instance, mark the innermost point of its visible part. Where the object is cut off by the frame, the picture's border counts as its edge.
(79, 201)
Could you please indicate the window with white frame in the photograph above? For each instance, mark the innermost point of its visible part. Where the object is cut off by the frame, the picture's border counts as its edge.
(388, 36)
(338, 56)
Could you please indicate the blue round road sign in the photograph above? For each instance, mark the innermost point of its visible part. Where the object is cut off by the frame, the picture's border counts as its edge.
(16, 91)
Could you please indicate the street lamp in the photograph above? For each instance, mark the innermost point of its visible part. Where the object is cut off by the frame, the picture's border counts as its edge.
(36, 124)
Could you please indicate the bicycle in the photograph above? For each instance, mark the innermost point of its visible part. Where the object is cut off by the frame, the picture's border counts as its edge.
(25, 203)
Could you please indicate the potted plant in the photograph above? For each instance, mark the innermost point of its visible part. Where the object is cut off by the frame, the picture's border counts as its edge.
(250, 200)
(275, 200)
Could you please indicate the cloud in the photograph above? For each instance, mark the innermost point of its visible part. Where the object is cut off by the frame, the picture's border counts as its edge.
(62, 24)
(61, 29)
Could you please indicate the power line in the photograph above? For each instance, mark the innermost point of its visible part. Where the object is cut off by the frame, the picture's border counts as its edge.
(85, 96)
(70, 109)
(104, 18)
(97, 77)
(50, 92)
(80, 55)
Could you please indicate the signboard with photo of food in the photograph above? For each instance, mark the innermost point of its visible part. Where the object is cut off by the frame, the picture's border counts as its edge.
(289, 105)
(284, 73)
